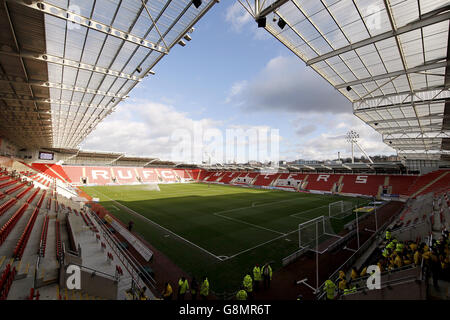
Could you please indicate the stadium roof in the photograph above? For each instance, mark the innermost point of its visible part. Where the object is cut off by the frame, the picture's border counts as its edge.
(388, 57)
(65, 65)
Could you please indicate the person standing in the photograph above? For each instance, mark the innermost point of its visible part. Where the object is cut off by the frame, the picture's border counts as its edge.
(130, 225)
(330, 289)
(247, 283)
(183, 286)
(267, 275)
(194, 288)
(257, 276)
(168, 292)
(204, 288)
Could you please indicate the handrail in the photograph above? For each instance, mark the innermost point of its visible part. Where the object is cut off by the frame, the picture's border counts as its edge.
(113, 277)
(364, 247)
(128, 261)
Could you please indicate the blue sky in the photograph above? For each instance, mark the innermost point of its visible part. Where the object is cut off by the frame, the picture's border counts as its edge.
(233, 75)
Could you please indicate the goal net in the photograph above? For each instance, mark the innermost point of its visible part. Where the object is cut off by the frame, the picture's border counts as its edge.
(317, 234)
(340, 209)
(152, 186)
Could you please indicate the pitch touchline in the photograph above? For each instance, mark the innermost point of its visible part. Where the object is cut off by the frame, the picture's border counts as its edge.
(248, 223)
(134, 213)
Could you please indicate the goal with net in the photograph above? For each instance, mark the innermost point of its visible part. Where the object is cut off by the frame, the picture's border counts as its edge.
(340, 209)
(317, 234)
(152, 186)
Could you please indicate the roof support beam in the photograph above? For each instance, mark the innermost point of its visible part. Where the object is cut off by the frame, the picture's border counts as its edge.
(435, 128)
(50, 101)
(386, 35)
(428, 117)
(71, 63)
(271, 8)
(60, 86)
(94, 25)
(428, 66)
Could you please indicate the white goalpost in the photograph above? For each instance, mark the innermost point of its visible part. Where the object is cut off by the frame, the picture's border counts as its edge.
(313, 232)
(316, 235)
(152, 186)
(340, 209)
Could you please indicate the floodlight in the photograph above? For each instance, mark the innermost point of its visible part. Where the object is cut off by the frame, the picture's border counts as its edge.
(281, 23)
(197, 3)
(261, 22)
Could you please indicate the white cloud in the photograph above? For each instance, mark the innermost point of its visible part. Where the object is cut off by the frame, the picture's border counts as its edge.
(143, 128)
(153, 129)
(331, 140)
(237, 16)
(241, 20)
(285, 84)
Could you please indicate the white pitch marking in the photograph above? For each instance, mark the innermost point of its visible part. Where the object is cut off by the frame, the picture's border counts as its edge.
(248, 223)
(148, 220)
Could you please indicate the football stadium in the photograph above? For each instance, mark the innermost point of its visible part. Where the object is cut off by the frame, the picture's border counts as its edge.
(83, 224)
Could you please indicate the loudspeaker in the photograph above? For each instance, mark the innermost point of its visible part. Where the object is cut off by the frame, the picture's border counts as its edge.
(197, 3)
(281, 23)
(261, 22)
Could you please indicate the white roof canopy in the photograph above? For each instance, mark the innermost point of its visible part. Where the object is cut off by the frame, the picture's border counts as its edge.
(388, 57)
(66, 64)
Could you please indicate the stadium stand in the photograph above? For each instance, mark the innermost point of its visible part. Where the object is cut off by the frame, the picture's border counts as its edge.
(265, 179)
(322, 182)
(362, 184)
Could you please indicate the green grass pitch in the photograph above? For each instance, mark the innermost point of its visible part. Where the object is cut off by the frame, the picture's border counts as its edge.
(217, 230)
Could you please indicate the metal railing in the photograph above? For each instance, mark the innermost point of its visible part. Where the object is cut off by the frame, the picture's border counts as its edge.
(351, 260)
(135, 269)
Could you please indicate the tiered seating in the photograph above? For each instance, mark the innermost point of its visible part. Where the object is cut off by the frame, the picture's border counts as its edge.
(147, 174)
(41, 200)
(22, 243)
(33, 195)
(124, 175)
(23, 193)
(4, 178)
(422, 181)
(7, 205)
(49, 203)
(205, 175)
(59, 170)
(167, 175)
(298, 176)
(441, 185)
(6, 184)
(98, 175)
(88, 221)
(400, 184)
(6, 280)
(362, 184)
(58, 240)
(228, 176)
(213, 177)
(322, 182)
(43, 242)
(74, 173)
(84, 218)
(6, 229)
(265, 179)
